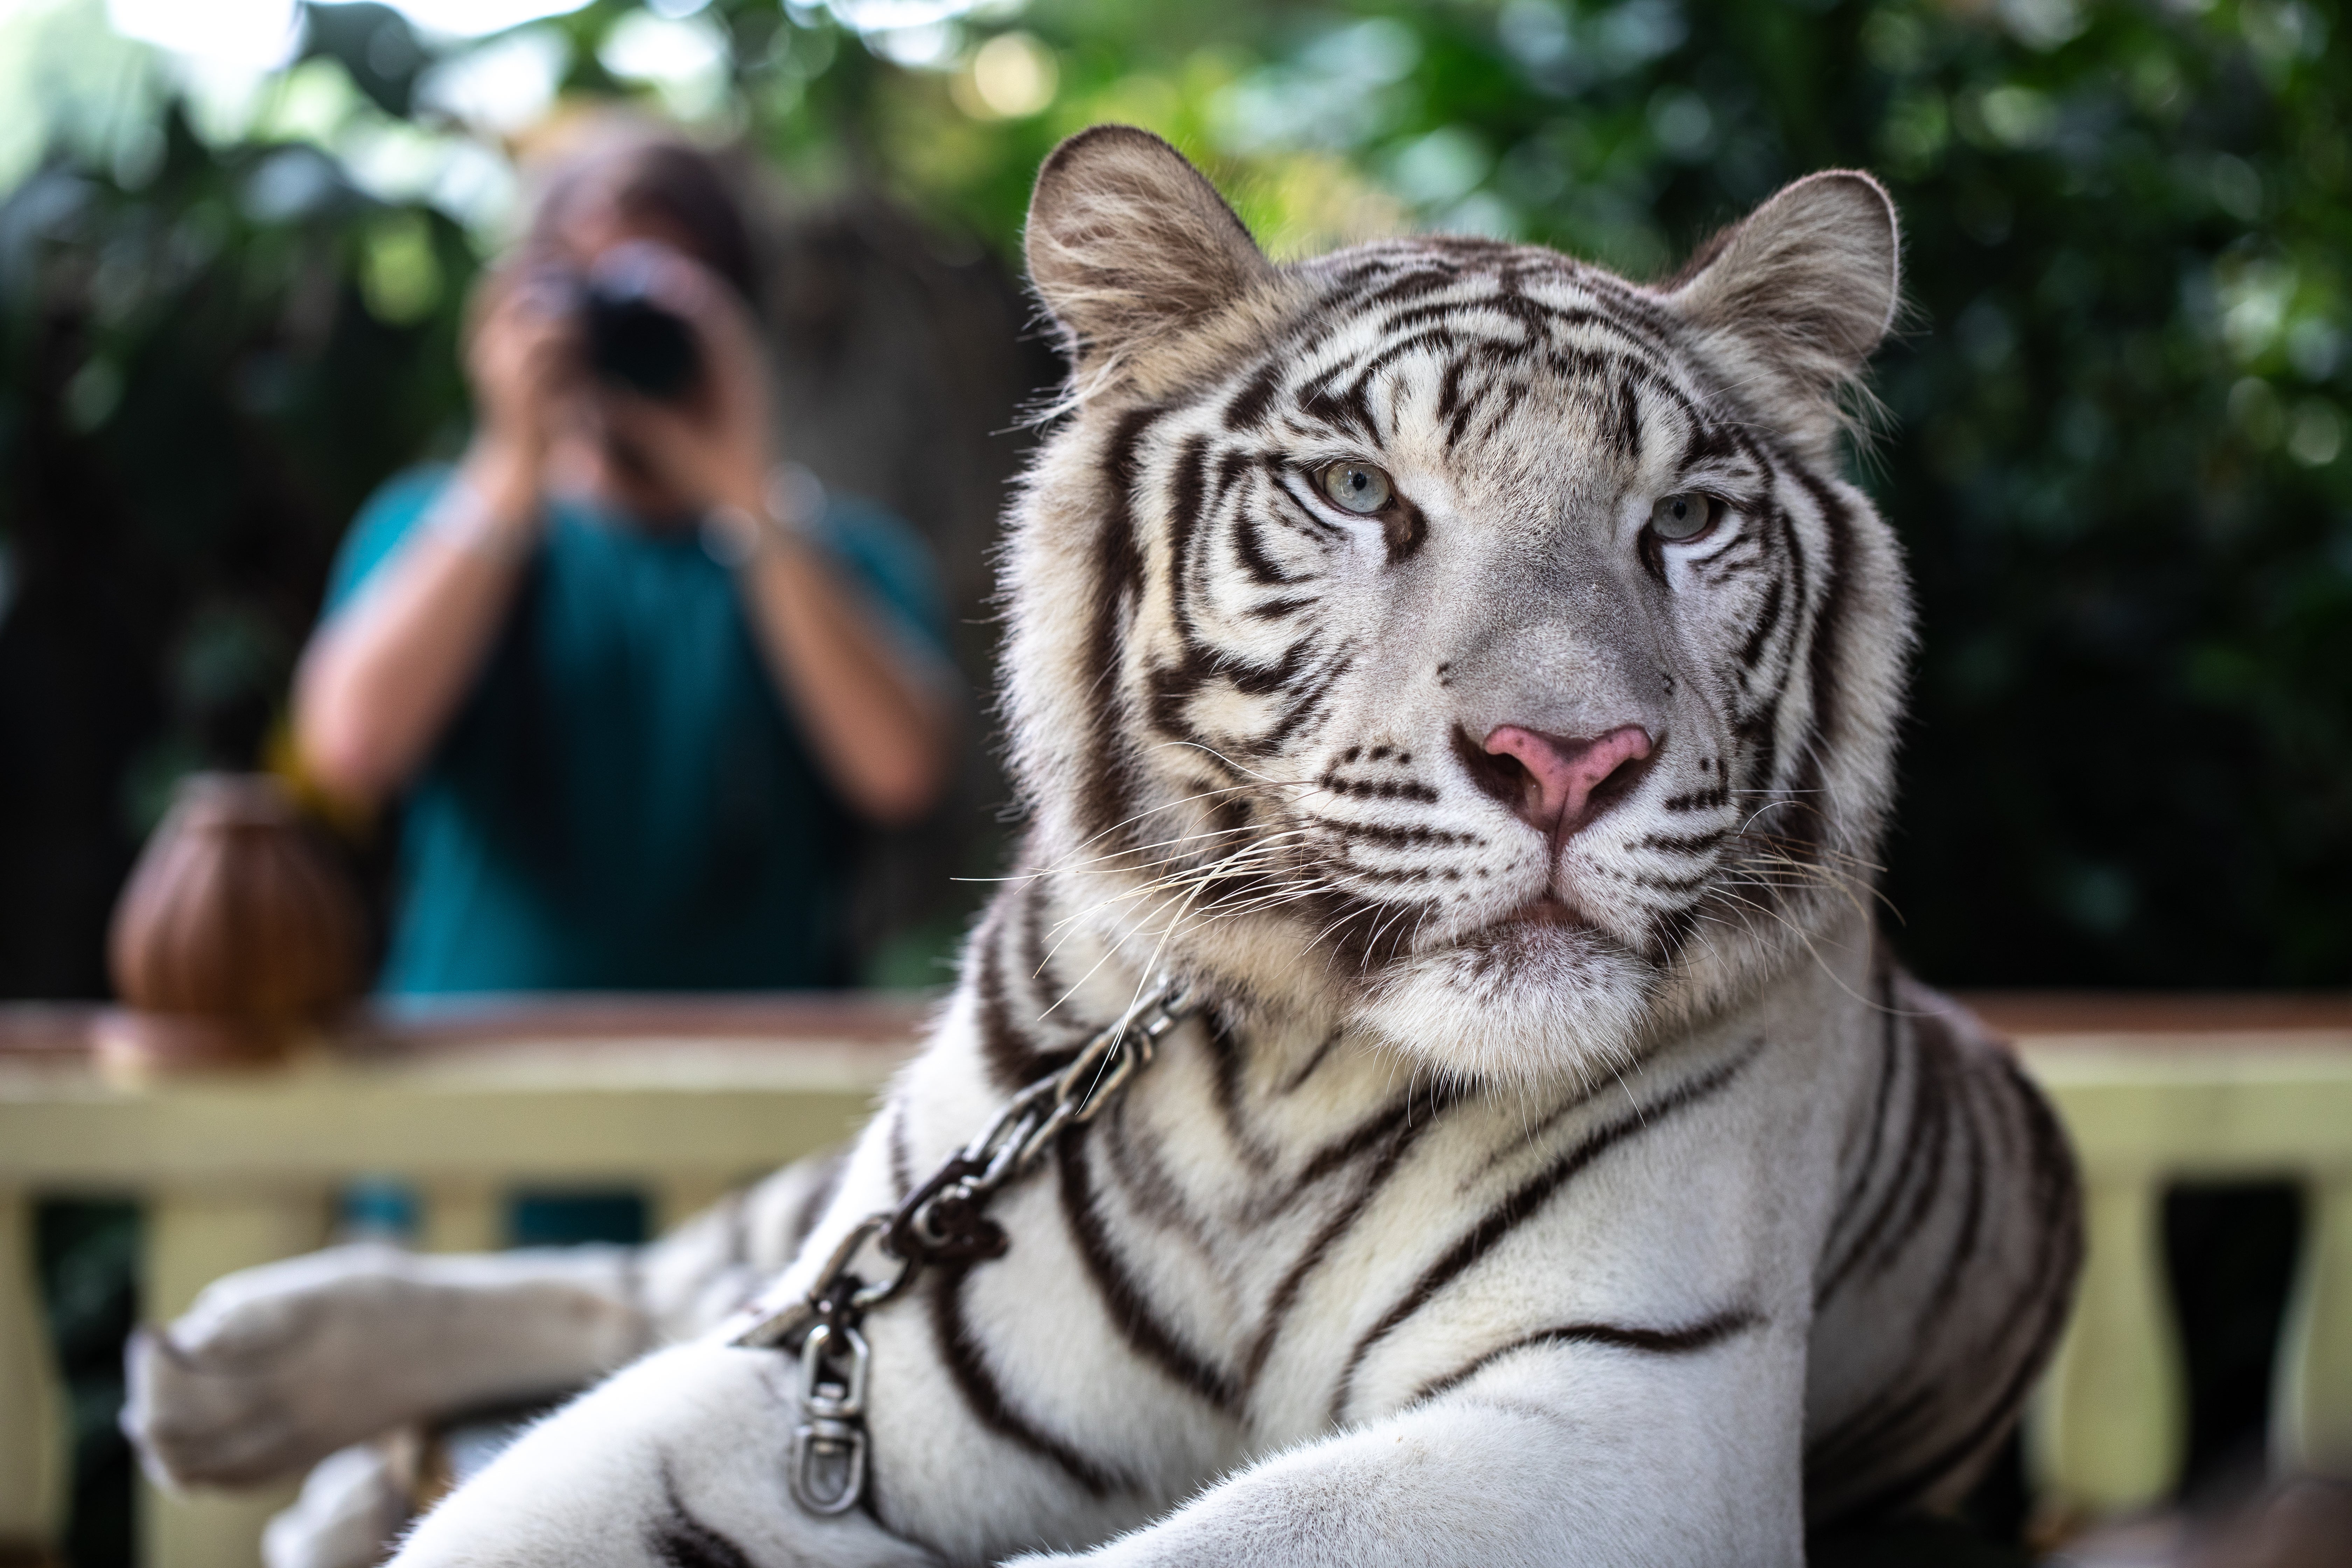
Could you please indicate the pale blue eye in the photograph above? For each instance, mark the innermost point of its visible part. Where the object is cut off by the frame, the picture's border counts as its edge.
(1681, 517)
(1357, 487)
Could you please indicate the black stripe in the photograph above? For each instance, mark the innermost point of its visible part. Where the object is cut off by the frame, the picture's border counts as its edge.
(1830, 619)
(902, 1176)
(2057, 1186)
(1604, 368)
(1226, 1063)
(1402, 1133)
(1826, 1274)
(1766, 623)
(1394, 838)
(1249, 550)
(1280, 610)
(1921, 1146)
(1885, 1426)
(1530, 1136)
(1911, 1485)
(1187, 504)
(1452, 410)
(2046, 1287)
(678, 1539)
(1314, 1059)
(1507, 1215)
(1685, 843)
(1437, 340)
(1947, 1294)
(1231, 468)
(1250, 404)
(1703, 1335)
(1761, 730)
(1311, 701)
(1134, 1161)
(1376, 1129)
(1036, 972)
(961, 1353)
(1711, 798)
(1825, 724)
(1123, 1300)
(1704, 441)
(1105, 789)
(1344, 408)
(1012, 1055)
(1936, 1108)
(1541, 321)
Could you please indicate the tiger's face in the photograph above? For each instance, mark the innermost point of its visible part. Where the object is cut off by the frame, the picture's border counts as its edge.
(1446, 636)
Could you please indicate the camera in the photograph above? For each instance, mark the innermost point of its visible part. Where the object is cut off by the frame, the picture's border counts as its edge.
(634, 342)
(628, 337)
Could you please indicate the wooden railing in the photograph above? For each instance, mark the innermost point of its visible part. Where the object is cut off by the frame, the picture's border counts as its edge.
(681, 1099)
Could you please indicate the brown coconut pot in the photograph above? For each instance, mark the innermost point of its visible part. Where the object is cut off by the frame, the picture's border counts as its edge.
(237, 930)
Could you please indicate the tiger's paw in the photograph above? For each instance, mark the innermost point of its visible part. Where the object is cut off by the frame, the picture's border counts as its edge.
(275, 1367)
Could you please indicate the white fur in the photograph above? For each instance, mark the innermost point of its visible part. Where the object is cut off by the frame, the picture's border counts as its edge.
(1452, 1239)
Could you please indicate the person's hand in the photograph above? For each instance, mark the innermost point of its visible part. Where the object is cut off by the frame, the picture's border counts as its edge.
(522, 355)
(712, 447)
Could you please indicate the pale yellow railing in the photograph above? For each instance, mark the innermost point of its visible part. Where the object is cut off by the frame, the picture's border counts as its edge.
(682, 1098)
(679, 1100)
(2155, 1090)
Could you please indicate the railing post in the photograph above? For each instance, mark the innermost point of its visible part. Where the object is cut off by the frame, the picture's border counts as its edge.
(2107, 1432)
(32, 1435)
(2311, 1401)
(192, 1239)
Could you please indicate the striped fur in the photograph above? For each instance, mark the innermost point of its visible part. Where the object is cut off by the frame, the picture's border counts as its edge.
(1604, 1199)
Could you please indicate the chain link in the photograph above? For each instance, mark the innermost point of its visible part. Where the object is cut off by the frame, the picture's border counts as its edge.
(944, 1218)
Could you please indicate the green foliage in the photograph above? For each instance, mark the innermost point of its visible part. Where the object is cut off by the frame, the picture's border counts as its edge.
(202, 373)
(2115, 424)
(243, 340)
(2114, 434)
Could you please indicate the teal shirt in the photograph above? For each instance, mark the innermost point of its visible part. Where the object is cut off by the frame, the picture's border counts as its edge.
(622, 802)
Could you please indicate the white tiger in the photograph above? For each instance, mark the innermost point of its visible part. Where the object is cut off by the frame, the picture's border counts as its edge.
(1468, 671)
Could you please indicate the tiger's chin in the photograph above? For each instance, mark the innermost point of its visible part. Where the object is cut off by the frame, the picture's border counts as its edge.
(1524, 1000)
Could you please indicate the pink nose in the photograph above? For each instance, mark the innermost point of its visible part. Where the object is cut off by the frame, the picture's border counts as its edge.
(1568, 780)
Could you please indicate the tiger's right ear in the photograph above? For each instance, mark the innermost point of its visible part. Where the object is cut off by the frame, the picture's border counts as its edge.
(1796, 296)
(1129, 244)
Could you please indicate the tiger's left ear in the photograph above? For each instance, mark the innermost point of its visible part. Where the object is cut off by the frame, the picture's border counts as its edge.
(1792, 299)
(1129, 245)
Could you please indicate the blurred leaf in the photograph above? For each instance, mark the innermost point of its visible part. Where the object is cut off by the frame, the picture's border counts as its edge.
(374, 44)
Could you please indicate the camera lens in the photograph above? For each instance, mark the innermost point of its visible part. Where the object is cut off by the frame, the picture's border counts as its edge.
(637, 344)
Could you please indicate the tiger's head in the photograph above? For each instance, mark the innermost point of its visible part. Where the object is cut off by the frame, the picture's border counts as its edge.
(1448, 638)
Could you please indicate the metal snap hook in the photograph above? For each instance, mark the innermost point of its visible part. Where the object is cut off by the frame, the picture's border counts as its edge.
(828, 1466)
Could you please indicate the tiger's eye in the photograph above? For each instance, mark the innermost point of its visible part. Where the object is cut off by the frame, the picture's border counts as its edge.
(1357, 487)
(1681, 517)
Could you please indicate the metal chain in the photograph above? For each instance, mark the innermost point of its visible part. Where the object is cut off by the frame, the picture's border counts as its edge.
(944, 1218)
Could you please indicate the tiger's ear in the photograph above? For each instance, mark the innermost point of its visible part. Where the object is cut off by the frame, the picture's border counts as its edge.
(1792, 299)
(1129, 244)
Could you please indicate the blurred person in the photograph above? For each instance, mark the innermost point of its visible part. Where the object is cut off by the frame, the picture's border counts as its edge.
(638, 694)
